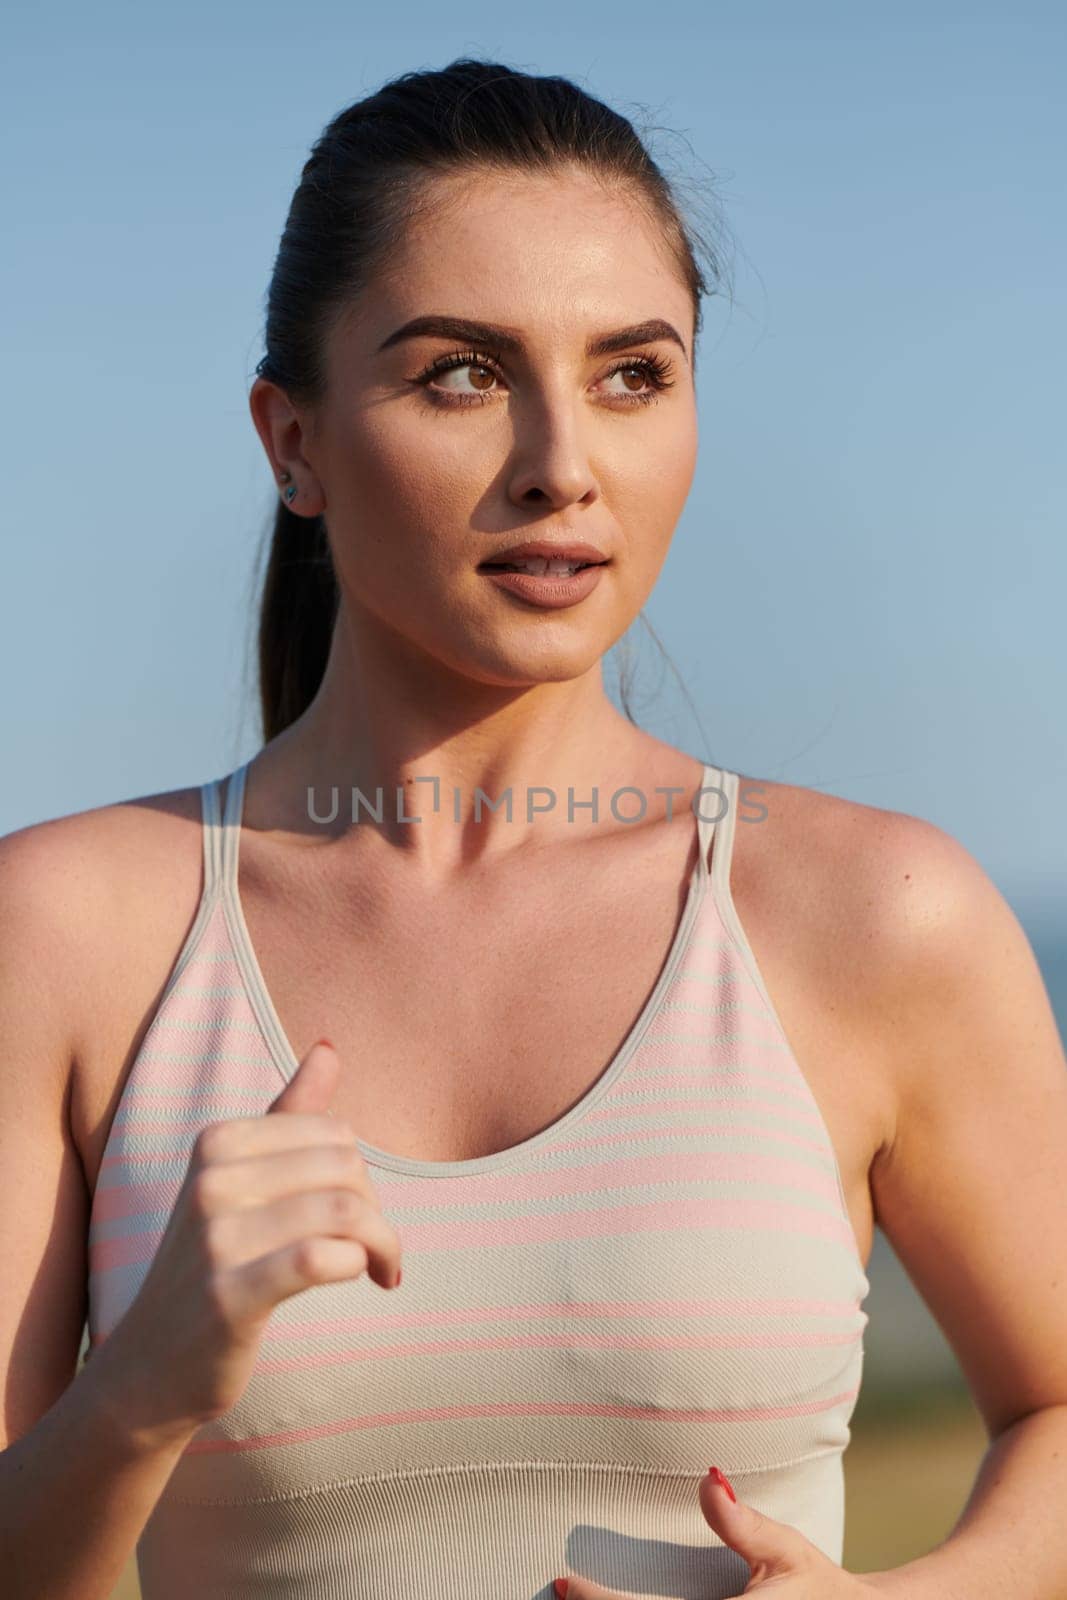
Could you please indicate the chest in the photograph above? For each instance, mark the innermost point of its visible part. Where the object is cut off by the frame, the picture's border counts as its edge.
(467, 1029)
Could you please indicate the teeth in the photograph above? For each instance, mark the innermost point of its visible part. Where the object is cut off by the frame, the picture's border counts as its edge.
(539, 566)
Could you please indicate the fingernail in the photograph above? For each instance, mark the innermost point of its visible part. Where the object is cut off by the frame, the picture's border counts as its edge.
(560, 1585)
(324, 1041)
(399, 1275)
(721, 1478)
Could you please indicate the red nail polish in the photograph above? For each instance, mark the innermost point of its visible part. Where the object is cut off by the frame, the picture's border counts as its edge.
(561, 1586)
(721, 1478)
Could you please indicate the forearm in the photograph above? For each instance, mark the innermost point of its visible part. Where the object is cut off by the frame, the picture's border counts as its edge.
(77, 1489)
(1011, 1537)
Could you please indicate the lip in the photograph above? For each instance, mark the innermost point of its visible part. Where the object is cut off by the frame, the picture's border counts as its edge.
(546, 550)
(548, 593)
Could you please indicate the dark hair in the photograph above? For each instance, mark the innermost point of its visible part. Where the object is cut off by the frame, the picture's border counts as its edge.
(361, 186)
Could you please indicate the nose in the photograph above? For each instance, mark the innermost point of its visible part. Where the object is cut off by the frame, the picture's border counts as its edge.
(550, 463)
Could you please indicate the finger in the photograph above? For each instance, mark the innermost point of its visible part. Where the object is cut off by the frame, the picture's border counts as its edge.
(313, 1084)
(240, 1237)
(771, 1548)
(257, 1179)
(584, 1589)
(255, 1289)
(238, 1137)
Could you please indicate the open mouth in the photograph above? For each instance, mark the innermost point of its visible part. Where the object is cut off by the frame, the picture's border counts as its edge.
(540, 568)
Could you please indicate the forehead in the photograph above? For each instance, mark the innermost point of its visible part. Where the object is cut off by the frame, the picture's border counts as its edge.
(549, 253)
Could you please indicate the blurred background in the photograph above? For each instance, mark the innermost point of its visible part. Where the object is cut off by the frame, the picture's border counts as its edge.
(865, 591)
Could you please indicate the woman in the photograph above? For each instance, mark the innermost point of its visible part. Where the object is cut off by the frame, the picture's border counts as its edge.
(633, 1195)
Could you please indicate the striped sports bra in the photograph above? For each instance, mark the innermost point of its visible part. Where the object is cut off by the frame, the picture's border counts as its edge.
(664, 1278)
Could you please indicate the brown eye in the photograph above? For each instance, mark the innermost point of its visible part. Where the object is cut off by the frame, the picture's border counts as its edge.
(645, 377)
(632, 372)
(482, 365)
(651, 371)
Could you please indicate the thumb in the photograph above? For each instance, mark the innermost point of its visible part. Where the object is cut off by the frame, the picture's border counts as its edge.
(770, 1548)
(312, 1086)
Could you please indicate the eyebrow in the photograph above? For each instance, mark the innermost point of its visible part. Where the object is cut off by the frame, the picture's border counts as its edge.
(483, 333)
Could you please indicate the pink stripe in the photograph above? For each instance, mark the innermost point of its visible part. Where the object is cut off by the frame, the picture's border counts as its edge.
(559, 1341)
(712, 1213)
(729, 1041)
(665, 1166)
(687, 1130)
(188, 1076)
(135, 1115)
(749, 1166)
(132, 1159)
(678, 1080)
(539, 1409)
(190, 1117)
(600, 1177)
(116, 1202)
(134, 1200)
(727, 1034)
(105, 1255)
(646, 1310)
(697, 1102)
(210, 975)
(469, 1234)
(153, 1118)
(769, 1067)
(115, 1199)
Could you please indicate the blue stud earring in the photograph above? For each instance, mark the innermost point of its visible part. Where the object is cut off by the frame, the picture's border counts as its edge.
(290, 493)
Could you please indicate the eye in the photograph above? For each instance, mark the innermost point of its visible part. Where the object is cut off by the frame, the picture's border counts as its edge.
(655, 370)
(484, 364)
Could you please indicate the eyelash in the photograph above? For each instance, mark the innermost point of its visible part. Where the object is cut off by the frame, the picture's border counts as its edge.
(657, 369)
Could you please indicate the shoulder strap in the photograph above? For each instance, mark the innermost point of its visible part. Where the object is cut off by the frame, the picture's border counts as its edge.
(709, 807)
(720, 861)
(231, 825)
(209, 813)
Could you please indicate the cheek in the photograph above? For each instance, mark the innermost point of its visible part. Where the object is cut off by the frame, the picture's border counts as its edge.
(402, 531)
(651, 501)
(411, 490)
(678, 459)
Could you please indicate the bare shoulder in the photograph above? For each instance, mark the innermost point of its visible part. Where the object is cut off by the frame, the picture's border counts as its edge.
(64, 873)
(816, 830)
(914, 909)
(95, 906)
(867, 881)
(76, 896)
(852, 908)
(903, 925)
(968, 1182)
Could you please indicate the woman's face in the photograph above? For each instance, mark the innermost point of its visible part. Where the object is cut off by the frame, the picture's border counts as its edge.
(424, 474)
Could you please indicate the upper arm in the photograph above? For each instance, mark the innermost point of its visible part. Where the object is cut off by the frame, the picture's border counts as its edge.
(970, 1189)
(43, 1196)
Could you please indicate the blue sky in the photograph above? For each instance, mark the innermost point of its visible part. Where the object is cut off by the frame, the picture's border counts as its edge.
(866, 589)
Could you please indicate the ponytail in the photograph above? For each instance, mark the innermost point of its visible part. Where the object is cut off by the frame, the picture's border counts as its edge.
(297, 613)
